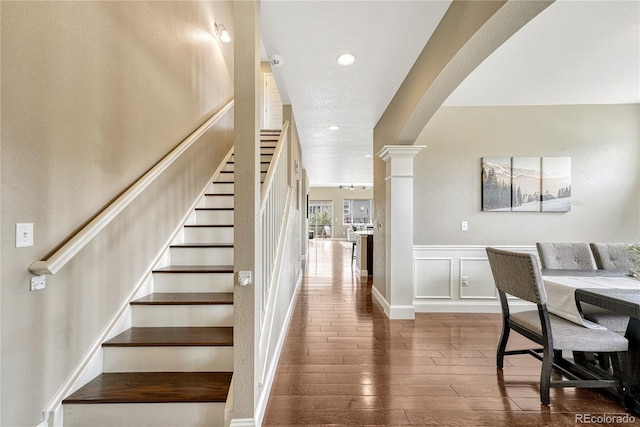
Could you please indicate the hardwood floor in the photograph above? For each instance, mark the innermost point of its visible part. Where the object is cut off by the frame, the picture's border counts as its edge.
(345, 363)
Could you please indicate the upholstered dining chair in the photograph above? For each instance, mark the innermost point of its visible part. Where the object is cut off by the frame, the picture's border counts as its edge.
(578, 256)
(519, 275)
(566, 256)
(612, 256)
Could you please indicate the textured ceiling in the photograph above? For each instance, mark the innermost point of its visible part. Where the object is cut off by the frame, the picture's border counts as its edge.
(574, 52)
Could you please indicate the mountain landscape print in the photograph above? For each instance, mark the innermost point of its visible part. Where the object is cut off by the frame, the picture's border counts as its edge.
(556, 184)
(496, 184)
(525, 178)
(526, 184)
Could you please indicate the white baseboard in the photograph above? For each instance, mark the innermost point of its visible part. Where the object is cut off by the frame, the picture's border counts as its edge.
(381, 300)
(243, 422)
(468, 306)
(405, 312)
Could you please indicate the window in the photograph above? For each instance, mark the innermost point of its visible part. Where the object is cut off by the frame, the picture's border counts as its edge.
(357, 211)
(321, 218)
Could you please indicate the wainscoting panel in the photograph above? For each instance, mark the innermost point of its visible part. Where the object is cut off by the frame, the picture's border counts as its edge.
(433, 277)
(482, 285)
(438, 273)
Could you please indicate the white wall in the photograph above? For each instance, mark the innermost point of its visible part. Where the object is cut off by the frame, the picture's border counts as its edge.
(93, 95)
(602, 142)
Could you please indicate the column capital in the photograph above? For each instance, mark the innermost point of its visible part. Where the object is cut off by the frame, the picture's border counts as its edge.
(392, 151)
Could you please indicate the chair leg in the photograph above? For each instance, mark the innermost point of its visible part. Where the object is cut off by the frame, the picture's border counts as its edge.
(502, 345)
(545, 375)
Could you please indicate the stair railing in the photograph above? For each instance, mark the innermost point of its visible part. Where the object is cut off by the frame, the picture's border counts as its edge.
(66, 252)
(273, 197)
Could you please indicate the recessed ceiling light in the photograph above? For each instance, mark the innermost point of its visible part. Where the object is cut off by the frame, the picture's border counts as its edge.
(346, 59)
(334, 127)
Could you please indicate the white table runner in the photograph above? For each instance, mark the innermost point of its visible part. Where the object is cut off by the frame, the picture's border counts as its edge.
(561, 294)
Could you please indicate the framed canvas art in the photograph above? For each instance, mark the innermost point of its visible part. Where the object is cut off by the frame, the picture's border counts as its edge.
(556, 184)
(496, 184)
(525, 179)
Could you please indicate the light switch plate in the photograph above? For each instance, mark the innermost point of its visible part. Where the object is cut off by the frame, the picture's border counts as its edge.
(244, 278)
(24, 235)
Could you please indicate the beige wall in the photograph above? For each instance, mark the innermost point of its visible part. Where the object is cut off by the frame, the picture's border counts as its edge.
(602, 142)
(93, 95)
(337, 195)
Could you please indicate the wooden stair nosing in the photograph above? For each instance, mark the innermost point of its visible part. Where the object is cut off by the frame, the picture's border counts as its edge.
(202, 245)
(214, 209)
(154, 387)
(173, 337)
(185, 298)
(218, 194)
(208, 225)
(196, 269)
(262, 162)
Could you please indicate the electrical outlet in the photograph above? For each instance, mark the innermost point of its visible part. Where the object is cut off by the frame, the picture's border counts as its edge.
(464, 225)
(38, 282)
(465, 280)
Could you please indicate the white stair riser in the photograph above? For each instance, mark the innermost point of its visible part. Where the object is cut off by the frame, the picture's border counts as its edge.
(208, 235)
(228, 167)
(216, 202)
(201, 256)
(193, 414)
(263, 166)
(182, 315)
(217, 187)
(192, 282)
(168, 359)
(214, 217)
(267, 151)
(226, 177)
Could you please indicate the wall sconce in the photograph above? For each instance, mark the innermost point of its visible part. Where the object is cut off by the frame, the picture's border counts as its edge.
(222, 32)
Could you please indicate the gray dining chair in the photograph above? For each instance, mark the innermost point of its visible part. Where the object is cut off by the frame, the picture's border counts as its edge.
(578, 256)
(519, 275)
(612, 256)
(566, 256)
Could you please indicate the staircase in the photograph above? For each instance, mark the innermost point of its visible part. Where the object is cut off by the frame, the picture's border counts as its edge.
(174, 366)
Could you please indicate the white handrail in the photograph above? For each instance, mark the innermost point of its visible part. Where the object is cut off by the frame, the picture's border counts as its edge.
(268, 179)
(59, 258)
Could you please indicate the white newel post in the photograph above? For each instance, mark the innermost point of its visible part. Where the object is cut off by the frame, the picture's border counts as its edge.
(399, 228)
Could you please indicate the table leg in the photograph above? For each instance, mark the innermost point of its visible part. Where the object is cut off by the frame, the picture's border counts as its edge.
(633, 335)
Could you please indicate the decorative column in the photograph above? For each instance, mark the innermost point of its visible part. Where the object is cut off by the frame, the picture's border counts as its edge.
(399, 229)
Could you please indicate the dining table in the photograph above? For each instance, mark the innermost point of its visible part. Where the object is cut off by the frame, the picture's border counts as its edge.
(616, 291)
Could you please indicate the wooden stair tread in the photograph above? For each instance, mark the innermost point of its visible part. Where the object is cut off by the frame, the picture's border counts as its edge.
(185, 298)
(154, 387)
(195, 269)
(203, 245)
(263, 162)
(208, 225)
(172, 337)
